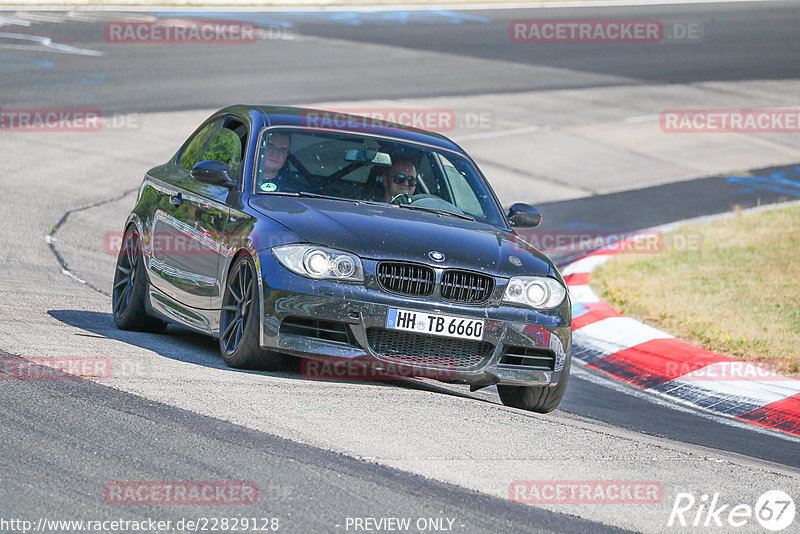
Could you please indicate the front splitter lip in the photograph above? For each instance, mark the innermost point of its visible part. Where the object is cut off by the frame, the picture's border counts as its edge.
(339, 361)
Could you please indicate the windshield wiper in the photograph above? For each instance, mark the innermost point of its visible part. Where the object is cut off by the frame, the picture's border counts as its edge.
(330, 197)
(439, 211)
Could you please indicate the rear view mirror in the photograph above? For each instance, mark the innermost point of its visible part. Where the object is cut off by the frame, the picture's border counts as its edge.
(213, 172)
(371, 149)
(368, 156)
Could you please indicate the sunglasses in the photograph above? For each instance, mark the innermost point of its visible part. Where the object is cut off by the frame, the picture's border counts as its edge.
(402, 178)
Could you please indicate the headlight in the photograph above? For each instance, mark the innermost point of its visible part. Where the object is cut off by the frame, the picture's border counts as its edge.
(320, 262)
(535, 291)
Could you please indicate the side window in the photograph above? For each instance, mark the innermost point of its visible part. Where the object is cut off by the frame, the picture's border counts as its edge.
(228, 146)
(192, 154)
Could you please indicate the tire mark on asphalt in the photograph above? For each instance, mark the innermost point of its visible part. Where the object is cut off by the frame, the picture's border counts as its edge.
(51, 241)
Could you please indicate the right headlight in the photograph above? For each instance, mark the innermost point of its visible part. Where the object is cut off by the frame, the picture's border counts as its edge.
(539, 292)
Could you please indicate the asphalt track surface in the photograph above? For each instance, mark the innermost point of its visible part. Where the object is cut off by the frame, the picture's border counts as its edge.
(741, 41)
(67, 439)
(104, 434)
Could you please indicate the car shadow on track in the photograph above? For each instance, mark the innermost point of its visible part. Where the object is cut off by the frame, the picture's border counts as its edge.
(185, 345)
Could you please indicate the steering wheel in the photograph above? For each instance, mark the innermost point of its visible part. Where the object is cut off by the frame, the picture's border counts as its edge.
(402, 198)
(423, 196)
(405, 198)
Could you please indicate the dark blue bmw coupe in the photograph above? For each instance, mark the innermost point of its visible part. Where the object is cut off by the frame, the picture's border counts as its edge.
(337, 238)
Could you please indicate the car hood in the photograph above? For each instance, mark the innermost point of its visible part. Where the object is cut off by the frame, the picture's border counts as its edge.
(387, 232)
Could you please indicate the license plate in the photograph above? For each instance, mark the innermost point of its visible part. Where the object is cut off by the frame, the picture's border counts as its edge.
(436, 324)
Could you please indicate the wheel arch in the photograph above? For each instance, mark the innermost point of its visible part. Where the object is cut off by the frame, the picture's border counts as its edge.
(134, 220)
(248, 249)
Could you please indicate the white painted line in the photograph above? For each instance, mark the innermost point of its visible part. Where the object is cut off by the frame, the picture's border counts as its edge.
(45, 44)
(43, 17)
(759, 392)
(66, 272)
(5, 21)
(585, 265)
(582, 294)
(642, 118)
(615, 334)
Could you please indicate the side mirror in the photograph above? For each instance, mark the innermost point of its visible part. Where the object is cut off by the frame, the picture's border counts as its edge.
(213, 172)
(524, 216)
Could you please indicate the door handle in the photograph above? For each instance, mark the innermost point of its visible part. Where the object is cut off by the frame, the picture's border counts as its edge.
(176, 200)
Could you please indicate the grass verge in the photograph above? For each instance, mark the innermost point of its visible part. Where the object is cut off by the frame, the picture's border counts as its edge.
(732, 286)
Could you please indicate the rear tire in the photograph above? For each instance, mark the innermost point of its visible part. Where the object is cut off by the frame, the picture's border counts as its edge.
(131, 288)
(239, 340)
(541, 399)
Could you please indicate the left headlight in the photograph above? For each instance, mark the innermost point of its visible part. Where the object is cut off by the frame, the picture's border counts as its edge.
(319, 262)
(535, 291)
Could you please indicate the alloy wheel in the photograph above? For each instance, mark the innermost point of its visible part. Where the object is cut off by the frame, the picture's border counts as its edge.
(236, 306)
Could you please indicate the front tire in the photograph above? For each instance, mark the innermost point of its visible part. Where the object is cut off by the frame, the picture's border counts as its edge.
(541, 399)
(131, 287)
(239, 340)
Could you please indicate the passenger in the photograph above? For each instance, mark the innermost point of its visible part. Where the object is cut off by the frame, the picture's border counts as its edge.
(399, 179)
(275, 174)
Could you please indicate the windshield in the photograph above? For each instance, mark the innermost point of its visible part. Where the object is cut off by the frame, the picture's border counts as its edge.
(365, 168)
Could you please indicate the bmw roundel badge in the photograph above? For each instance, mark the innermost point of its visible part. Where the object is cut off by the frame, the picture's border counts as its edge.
(436, 256)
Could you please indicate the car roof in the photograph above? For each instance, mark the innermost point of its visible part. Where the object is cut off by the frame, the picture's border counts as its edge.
(338, 120)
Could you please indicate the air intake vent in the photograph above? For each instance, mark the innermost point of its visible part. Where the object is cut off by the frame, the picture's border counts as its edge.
(465, 286)
(426, 350)
(406, 278)
(317, 329)
(529, 357)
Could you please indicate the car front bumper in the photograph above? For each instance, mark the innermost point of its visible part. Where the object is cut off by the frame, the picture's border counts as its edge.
(359, 313)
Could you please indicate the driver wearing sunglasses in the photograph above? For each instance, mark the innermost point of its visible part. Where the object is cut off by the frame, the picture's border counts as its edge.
(399, 179)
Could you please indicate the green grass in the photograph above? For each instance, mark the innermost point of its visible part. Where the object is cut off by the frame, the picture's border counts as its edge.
(732, 286)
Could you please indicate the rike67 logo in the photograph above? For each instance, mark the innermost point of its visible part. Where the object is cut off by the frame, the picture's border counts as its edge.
(774, 511)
